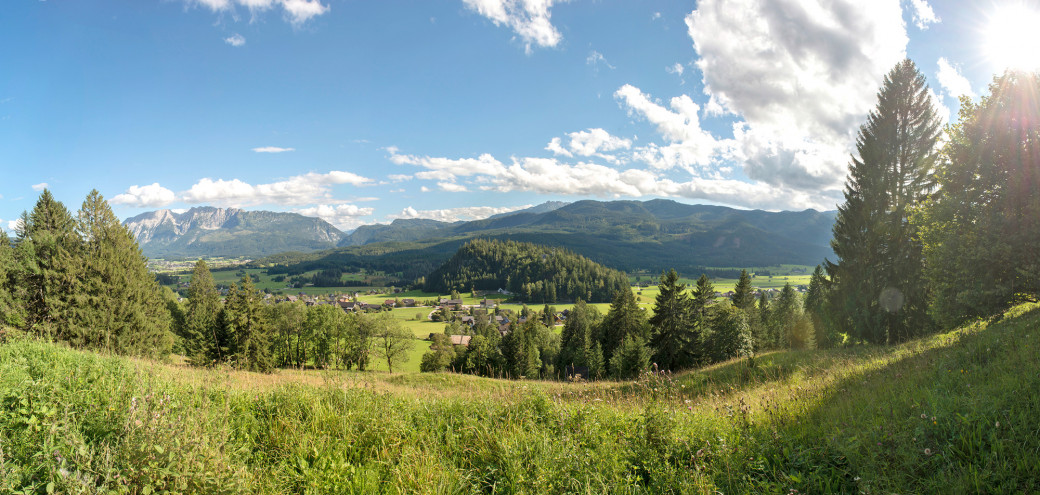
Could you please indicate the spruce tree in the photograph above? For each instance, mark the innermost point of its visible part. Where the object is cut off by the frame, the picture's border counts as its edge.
(50, 255)
(624, 319)
(879, 289)
(578, 336)
(674, 329)
(815, 300)
(202, 318)
(702, 303)
(246, 329)
(120, 306)
(12, 312)
(743, 294)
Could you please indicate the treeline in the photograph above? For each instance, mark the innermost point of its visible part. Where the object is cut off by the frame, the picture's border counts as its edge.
(246, 333)
(82, 280)
(931, 236)
(688, 328)
(532, 273)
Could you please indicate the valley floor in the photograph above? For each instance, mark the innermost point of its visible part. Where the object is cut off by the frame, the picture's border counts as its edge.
(951, 413)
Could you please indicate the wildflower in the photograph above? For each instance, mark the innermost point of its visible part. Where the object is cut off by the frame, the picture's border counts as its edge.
(927, 451)
(137, 422)
(924, 416)
(998, 424)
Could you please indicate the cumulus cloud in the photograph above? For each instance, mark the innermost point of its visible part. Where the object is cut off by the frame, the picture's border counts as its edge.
(677, 69)
(343, 216)
(529, 19)
(591, 142)
(923, 14)
(456, 214)
(152, 195)
(951, 80)
(299, 190)
(272, 149)
(41, 186)
(296, 12)
(235, 40)
(14, 225)
(802, 74)
(689, 145)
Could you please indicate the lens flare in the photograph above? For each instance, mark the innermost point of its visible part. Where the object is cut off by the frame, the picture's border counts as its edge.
(1012, 38)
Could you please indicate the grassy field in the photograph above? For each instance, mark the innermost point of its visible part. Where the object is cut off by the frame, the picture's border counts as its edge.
(955, 412)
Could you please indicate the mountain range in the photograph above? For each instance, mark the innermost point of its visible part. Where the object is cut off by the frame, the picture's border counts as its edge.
(628, 235)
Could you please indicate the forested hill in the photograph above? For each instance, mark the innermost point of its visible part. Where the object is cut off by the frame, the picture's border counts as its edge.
(533, 273)
(626, 235)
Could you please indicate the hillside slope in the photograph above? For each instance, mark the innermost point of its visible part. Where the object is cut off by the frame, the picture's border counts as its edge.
(950, 413)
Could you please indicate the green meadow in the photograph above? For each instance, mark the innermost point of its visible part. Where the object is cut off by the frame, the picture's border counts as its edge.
(954, 412)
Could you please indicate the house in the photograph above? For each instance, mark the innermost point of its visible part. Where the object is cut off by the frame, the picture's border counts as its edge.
(460, 339)
(349, 305)
(408, 303)
(488, 303)
(390, 302)
(503, 329)
(291, 298)
(452, 304)
(467, 320)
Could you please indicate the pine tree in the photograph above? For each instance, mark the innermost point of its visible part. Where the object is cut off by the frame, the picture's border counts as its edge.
(578, 335)
(879, 290)
(624, 318)
(631, 358)
(246, 328)
(674, 329)
(202, 318)
(743, 294)
(12, 312)
(50, 255)
(120, 305)
(815, 300)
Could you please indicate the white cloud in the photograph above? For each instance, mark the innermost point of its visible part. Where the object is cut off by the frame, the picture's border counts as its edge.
(446, 168)
(424, 189)
(152, 195)
(14, 225)
(399, 177)
(923, 14)
(952, 81)
(803, 74)
(451, 187)
(592, 142)
(529, 19)
(296, 12)
(595, 58)
(456, 214)
(343, 216)
(235, 40)
(691, 146)
(676, 69)
(272, 149)
(41, 186)
(299, 190)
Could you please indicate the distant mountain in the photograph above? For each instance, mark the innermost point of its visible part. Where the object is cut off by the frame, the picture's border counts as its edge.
(400, 230)
(416, 229)
(208, 231)
(626, 235)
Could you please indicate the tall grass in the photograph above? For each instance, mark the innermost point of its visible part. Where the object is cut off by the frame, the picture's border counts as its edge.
(952, 413)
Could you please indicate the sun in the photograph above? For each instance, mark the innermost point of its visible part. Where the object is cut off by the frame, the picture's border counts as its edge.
(1012, 37)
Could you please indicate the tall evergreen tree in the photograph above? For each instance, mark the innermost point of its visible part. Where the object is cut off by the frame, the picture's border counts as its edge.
(578, 336)
(674, 330)
(815, 300)
(12, 312)
(879, 290)
(743, 294)
(202, 318)
(245, 324)
(119, 307)
(702, 304)
(51, 257)
(624, 318)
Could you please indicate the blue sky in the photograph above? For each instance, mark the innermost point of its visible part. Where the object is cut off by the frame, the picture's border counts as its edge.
(365, 111)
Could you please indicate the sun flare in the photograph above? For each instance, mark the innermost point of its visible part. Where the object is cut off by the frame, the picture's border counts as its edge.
(1012, 38)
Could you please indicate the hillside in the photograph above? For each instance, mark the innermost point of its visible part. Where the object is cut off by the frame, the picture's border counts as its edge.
(625, 235)
(230, 232)
(536, 274)
(949, 413)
